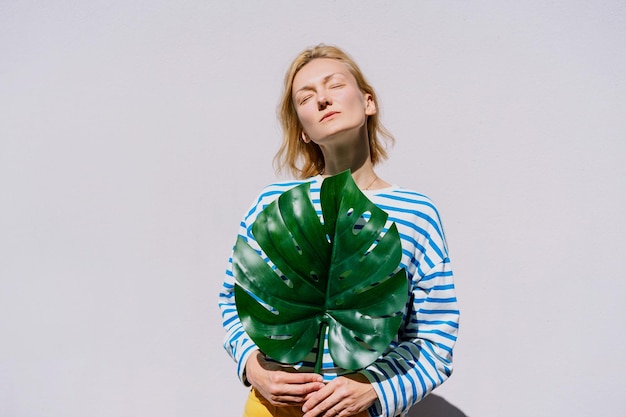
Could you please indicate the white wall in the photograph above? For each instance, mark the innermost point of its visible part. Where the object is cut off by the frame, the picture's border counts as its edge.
(134, 134)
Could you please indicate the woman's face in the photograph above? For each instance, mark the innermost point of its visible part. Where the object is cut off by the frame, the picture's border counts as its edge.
(328, 101)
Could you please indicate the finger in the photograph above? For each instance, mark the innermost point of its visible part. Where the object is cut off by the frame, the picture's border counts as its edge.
(332, 412)
(300, 378)
(286, 400)
(302, 391)
(321, 410)
(320, 403)
(296, 394)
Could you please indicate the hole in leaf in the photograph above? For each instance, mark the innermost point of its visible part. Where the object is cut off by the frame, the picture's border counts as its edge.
(314, 276)
(346, 274)
(282, 276)
(361, 222)
(262, 303)
(364, 344)
(269, 308)
(279, 336)
(286, 281)
(349, 212)
(295, 244)
(365, 289)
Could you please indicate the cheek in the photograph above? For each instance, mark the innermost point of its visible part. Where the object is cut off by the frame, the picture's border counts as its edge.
(305, 115)
(353, 98)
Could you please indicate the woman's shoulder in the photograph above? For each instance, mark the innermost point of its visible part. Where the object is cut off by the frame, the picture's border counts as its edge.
(285, 185)
(407, 204)
(272, 191)
(399, 196)
(275, 189)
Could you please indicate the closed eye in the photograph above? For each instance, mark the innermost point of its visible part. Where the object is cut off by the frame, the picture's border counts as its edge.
(305, 99)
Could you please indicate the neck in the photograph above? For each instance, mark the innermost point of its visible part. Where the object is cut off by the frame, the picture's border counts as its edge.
(354, 155)
(341, 154)
(362, 171)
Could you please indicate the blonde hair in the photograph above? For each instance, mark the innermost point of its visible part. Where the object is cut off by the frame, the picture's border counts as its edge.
(306, 159)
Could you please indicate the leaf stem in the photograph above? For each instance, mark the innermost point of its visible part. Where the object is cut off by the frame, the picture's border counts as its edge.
(320, 348)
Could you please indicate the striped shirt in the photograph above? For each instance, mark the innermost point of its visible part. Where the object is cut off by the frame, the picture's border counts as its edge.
(420, 357)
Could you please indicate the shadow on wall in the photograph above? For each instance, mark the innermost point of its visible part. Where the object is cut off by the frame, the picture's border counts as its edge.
(434, 406)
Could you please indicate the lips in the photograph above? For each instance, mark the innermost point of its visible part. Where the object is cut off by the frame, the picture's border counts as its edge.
(329, 114)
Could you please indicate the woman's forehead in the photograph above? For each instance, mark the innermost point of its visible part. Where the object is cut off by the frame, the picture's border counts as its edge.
(318, 70)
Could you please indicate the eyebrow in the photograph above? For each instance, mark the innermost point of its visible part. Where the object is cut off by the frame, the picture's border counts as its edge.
(324, 80)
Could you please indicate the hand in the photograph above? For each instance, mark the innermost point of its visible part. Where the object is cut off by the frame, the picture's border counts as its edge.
(344, 396)
(281, 386)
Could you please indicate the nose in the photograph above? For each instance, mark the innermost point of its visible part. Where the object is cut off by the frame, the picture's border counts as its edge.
(323, 102)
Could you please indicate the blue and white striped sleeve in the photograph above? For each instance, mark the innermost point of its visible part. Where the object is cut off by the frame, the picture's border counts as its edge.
(236, 342)
(421, 359)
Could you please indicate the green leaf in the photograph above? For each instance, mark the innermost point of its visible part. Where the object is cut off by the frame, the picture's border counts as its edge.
(339, 274)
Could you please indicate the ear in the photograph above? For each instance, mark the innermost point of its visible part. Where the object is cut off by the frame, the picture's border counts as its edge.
(370, 106)
(304, 137)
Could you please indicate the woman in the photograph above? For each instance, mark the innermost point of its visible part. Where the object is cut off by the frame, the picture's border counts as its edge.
(330, 123)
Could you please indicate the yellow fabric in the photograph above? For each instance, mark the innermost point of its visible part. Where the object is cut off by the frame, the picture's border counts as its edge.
(258, 406)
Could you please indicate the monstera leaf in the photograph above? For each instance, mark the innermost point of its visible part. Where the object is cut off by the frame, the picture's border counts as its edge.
(338, 275)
